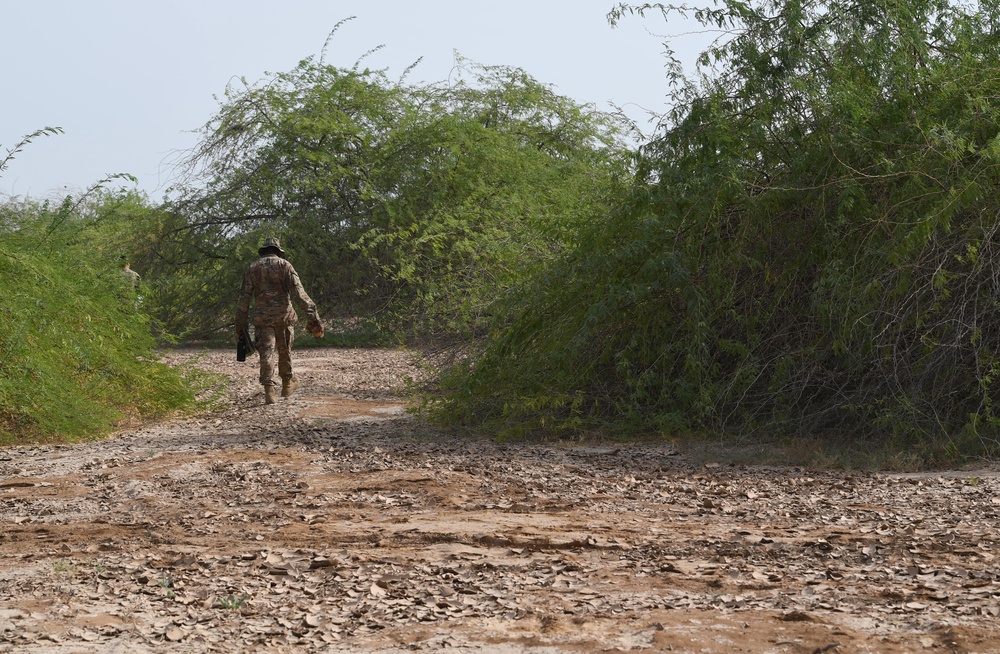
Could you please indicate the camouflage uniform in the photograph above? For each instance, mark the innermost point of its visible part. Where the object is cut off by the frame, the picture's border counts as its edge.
(131, 275)
(273, 284)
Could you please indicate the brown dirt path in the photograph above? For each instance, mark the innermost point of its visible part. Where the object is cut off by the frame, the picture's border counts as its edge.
(333, 521)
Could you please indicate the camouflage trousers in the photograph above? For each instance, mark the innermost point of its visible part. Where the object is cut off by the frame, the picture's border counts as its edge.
(269, 339)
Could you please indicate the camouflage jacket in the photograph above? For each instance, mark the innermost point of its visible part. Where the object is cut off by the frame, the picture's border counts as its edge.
(273, 285)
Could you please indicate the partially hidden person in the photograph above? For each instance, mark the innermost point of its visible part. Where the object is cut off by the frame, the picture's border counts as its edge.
(132, 280)
(273, 285)
(131, 275)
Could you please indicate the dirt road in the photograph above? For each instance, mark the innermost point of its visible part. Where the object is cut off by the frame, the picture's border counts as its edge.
(332, 521)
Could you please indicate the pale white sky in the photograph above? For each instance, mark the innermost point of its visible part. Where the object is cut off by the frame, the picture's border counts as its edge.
(129, 80)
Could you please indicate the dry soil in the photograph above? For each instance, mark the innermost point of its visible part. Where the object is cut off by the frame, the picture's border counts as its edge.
(334, 521)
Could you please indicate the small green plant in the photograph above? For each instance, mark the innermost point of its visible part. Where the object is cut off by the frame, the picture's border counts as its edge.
(63, 566)
(232, 602)
(167, 581)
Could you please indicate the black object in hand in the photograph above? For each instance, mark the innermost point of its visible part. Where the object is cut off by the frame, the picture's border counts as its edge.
(243, 346)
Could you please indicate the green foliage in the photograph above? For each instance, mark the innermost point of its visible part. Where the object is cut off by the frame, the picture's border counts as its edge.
(503, 175)
(810, 246)
(232, 602)
(24, 142)
(416, 206)
(76, 352)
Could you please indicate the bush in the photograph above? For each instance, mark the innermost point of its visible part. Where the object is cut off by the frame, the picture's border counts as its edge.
(76, 353)
(810, 247)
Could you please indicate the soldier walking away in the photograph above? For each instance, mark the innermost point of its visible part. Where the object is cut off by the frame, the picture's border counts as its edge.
(273, 285)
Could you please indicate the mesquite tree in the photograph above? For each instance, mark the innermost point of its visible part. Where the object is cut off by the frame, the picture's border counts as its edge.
(416, 205)
(811, 247)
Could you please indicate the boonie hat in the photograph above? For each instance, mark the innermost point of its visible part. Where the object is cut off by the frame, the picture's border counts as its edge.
(270, 243)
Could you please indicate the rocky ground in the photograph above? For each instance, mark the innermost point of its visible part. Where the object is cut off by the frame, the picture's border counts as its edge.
(334, 521)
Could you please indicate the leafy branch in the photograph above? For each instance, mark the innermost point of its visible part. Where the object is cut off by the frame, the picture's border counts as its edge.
(25, 141)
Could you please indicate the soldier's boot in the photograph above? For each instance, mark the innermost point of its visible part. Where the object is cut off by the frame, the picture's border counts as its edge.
(269, 396)
(288, 386)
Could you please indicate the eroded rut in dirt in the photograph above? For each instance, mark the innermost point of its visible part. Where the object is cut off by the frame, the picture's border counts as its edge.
(332, 521)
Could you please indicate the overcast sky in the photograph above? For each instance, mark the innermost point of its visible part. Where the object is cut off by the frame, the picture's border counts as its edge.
(129, 81)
